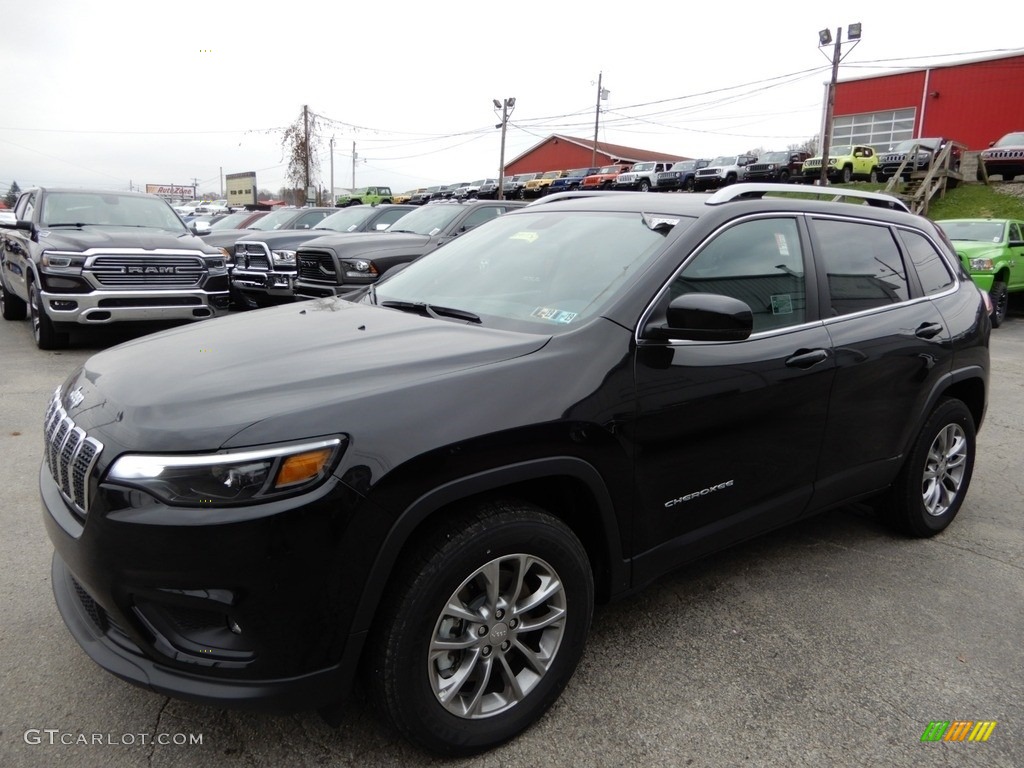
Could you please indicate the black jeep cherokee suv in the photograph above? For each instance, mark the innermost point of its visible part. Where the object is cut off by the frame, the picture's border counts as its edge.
(432, 484)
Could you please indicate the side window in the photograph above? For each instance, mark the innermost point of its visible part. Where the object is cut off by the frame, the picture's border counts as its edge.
(479, 216)
(930, 266)
(758, 262)
(863, 265)
(26, 206)
(1015, 235)
(389, 217)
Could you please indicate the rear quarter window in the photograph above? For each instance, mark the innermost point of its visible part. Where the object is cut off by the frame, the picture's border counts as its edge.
(929, 265)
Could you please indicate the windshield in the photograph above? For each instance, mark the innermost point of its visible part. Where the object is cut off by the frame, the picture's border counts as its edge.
(774, 157)
(643, 167)
(610, 169)
(539, 271)
(347, 219)
(1011, 140)
(231, 221)
(578, 172)
(427, 220)
(274, 220)
(976, 231)
(552, 175)
(685, 165)
(724, 160)
(109, 209)
(840, 150)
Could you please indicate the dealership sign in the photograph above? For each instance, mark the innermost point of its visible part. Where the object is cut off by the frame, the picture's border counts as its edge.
(241, 188)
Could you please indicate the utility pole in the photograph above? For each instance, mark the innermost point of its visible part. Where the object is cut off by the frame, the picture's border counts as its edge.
(354, 156)
(506, 106)
(824, 38)
(305, 123)
(602, 95)
(333, 199)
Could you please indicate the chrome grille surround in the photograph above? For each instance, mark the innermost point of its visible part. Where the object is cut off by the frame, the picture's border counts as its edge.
(70, 454)
(162, 270)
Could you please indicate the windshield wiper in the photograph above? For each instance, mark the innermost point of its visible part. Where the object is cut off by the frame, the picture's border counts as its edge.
(406, 231)
(76, 225)
(431, 310)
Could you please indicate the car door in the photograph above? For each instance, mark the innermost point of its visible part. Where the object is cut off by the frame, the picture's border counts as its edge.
(727, 434)
(1015, 245)
(16, 249)
(888, 346)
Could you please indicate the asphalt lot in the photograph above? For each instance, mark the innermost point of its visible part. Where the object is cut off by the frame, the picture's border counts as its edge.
(831, 643)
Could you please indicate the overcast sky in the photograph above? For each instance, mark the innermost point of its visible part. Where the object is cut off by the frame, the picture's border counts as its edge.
(120, 93)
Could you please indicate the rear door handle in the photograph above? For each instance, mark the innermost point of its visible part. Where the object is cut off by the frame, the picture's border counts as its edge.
(928, 330)
(807, 358)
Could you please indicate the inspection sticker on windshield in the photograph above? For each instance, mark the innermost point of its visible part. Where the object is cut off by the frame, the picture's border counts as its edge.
(554, 315)
(527, 236)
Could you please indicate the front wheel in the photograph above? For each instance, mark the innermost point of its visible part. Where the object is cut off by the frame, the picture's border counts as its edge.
(645, 186)
(43, 329)
(482, 629)
(847, 174)
(933, 482)
(1000, 302)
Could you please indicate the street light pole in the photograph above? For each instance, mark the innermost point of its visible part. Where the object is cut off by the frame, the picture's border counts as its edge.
(824, 38)
(506, 108)
(333, 198)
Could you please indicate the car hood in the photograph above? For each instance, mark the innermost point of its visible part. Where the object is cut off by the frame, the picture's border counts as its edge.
(284, 236)
(214, 379)
(118, 237)
(365, 242)
(971, 249)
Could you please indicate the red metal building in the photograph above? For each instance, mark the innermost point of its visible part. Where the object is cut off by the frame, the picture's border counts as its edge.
(973, 102)
(558, 152)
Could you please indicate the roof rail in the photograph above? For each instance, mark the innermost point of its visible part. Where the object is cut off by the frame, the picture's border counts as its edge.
(743, 190)
(575, 194)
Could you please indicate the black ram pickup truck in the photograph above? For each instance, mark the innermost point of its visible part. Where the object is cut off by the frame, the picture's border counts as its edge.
(333, 265)
(79, 257)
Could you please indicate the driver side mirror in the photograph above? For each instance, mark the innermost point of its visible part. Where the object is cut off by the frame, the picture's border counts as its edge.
(703, 317)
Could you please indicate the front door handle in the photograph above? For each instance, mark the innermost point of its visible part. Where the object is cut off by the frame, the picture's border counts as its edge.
(807, 358)
(928, 330)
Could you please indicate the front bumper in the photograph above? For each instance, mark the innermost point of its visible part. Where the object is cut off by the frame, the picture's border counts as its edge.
(154, 596)
(100, 308)
(276, 284)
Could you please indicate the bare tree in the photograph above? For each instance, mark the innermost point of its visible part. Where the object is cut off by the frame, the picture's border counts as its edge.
(301, 143)
(810, 145)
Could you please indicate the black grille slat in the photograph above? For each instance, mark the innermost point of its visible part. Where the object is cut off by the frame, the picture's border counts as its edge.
(317, 266)
(70, 455)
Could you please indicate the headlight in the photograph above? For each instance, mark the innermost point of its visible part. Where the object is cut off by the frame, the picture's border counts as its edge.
(359, 269)
(832, 161)
(63, 262)
(227, 478)
(283, 257)
(981, 265)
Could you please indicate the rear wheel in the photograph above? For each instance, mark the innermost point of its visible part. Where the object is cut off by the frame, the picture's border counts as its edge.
(12, 307)
(935, 477)
(482, 629)
(1000, 302)
(43, 330)
(874, 176)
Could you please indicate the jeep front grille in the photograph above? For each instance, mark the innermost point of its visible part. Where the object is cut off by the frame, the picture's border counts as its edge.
(148, 271)
(70, 454)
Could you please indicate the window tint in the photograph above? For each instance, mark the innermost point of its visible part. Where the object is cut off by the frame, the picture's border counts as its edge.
(863, 265)
(480, 215)
(758, 262)
(310, 219)
(930, 266)
(1015, 231)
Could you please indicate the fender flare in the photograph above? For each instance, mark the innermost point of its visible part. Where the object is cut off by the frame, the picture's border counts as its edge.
(471, 485)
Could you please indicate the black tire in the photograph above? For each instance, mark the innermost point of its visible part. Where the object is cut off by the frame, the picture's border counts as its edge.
(873, 178)
(730, 179)
(43, 330)
(784, 177)
(933, 482)
(847, 174)
(1000, 302)
(458, 700)
(688, 185)
(645, 185)
(11, 307)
